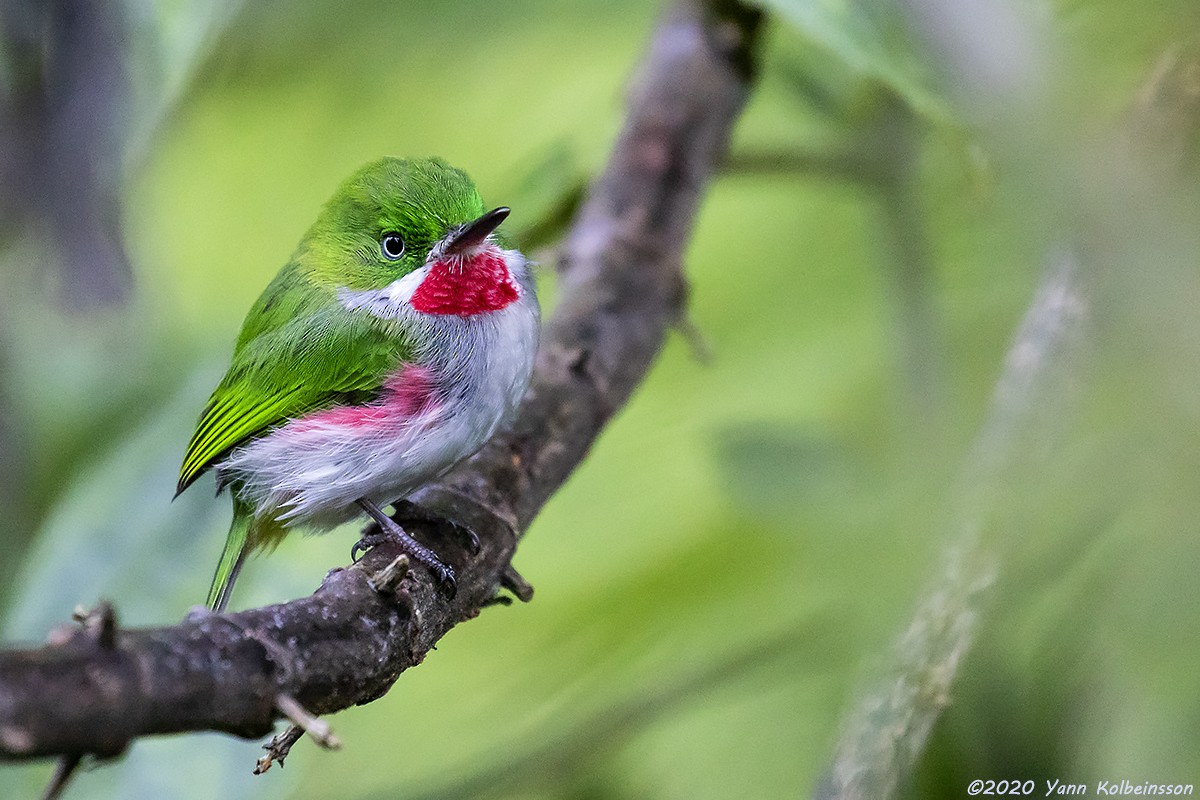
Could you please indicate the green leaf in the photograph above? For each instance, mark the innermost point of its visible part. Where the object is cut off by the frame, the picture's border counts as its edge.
(870, 37)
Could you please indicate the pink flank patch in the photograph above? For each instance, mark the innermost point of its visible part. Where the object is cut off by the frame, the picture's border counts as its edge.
(478, 285)
(405, 394)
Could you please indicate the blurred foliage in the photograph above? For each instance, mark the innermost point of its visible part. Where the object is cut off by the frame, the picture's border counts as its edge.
(869, 41)
(733, 561)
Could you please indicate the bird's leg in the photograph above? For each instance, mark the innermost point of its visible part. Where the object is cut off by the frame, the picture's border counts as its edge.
(390, 531)
(408, 510)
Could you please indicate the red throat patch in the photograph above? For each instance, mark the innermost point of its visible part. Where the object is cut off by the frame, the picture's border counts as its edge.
(480, 284)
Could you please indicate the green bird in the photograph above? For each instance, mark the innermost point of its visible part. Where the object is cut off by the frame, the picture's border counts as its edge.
(398, 338)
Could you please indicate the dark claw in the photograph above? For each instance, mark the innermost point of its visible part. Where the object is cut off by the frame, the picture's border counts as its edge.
(445, 578)
(364, 544)
(472, 540)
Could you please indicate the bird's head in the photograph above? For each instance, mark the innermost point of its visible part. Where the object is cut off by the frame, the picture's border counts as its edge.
(416, 231)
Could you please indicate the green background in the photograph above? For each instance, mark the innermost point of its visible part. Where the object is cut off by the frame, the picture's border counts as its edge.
(722, 579)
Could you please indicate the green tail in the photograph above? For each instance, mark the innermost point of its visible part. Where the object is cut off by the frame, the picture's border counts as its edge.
(237, 547)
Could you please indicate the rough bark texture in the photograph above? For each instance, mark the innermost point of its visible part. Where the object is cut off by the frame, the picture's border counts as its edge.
(95, 688)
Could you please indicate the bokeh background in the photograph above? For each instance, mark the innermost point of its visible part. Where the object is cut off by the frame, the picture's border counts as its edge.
(722, 584)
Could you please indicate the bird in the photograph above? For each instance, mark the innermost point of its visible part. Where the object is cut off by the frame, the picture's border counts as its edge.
(397, 339)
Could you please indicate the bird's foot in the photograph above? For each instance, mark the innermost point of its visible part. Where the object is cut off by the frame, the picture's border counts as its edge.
(443, 572)
(367, 541)
(407, 509)
(390, 531)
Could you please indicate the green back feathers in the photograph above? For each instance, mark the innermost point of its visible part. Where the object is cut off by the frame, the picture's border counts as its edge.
(313, 361)
(299, 350)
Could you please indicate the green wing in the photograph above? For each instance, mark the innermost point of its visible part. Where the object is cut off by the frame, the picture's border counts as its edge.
(287, 365)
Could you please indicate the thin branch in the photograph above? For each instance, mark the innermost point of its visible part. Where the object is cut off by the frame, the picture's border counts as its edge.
(621, 290)
(317, 729)
(278, 748)
(63, 772)
(887, 729)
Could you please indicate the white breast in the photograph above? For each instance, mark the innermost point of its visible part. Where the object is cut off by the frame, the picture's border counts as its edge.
(312, 475)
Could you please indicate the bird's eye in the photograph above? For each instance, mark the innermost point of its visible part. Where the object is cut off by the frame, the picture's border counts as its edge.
(392, 246)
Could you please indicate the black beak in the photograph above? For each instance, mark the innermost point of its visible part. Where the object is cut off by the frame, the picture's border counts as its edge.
(473, 233)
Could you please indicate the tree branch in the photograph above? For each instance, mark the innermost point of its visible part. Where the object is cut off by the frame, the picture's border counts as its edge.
(621, 290)
(886, 729)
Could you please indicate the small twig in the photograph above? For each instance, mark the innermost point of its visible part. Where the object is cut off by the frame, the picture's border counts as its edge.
(512, 580)
(317, 728)
(1164, 120)
(697, 342)
(555, 221)
(67, 765)
(278, 748)
(388, 579)
(100, 623)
